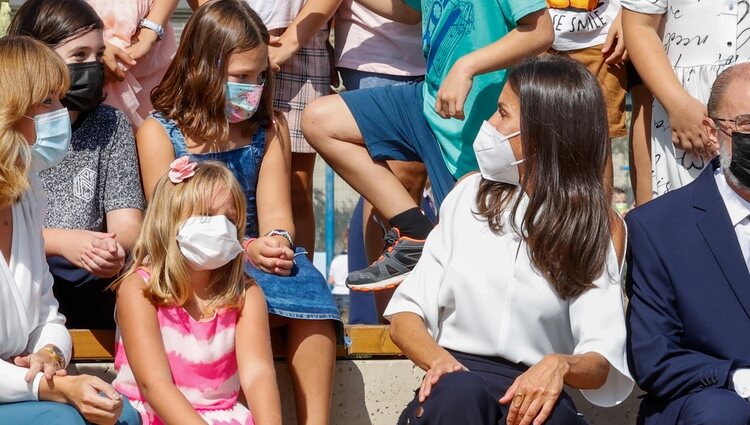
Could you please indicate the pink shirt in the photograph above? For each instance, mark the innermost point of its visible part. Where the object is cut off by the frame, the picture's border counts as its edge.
(368, 42)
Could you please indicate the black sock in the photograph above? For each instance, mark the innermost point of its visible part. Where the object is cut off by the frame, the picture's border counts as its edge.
(412, 223)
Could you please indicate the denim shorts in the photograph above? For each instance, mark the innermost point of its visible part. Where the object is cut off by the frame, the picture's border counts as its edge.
(393, 127)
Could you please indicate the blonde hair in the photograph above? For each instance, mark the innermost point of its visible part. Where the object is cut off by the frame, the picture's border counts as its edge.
(157, 248)
(29, 74)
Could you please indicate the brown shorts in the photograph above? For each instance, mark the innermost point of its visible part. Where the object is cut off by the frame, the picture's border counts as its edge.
(613, 80)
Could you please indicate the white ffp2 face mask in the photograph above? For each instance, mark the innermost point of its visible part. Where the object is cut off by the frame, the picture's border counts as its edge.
(495, 156)
(208, 242)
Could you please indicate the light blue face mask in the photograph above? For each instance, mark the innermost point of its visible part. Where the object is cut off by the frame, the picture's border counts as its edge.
(53, 134)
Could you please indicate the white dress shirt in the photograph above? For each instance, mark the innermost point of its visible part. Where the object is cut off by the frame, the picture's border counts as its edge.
(479, 294)
(739, 210)
(29, 319)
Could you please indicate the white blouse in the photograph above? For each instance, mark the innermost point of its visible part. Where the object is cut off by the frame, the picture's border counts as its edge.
(29, 319)
(478, 293)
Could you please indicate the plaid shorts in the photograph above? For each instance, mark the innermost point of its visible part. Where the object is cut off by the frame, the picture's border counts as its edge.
(304, 78)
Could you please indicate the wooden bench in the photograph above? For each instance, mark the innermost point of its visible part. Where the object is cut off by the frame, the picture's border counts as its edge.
(92, 345)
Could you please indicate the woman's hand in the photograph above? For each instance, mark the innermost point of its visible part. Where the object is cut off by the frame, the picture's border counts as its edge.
(97, 401)
(269, 255)
(445, 364)
(113, 55)
(686, 119)
(141, 43)
(105, 258)
(42, 361)
(450, 99)
(533, 394)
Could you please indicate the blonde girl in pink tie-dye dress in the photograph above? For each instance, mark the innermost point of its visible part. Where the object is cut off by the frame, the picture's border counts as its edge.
(192, 329)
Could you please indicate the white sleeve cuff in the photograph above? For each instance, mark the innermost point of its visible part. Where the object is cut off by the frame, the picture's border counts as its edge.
(35, 384)
(741, 381)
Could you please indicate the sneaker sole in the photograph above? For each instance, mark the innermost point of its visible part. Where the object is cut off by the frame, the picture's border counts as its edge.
(379, 286)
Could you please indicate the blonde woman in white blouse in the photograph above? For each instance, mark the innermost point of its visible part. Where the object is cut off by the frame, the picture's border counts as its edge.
(518, 292)
(34, 344)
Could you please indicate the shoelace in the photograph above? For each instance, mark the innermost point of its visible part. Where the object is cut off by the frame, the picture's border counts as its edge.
(390, 240)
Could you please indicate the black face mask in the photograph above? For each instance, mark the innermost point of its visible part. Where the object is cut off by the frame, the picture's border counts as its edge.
(740, 166)
(86, 86)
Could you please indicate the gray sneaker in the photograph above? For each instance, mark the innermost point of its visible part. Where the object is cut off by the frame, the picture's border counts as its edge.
(398, 260)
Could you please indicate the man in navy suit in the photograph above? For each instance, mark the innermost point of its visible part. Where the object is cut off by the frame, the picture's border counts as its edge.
(688, 280)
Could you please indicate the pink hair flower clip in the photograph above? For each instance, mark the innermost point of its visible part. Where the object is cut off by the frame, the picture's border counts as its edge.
(181, 169)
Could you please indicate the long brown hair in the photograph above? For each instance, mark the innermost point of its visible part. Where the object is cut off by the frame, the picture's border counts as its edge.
(565, 141)
(193, 90)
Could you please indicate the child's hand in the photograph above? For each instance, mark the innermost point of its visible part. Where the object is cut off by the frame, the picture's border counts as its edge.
(113, 55)
(614, 46)
(278, 53)
(78, 242)
(686, 120)
(41, 361)
(269, 255)
(450, 99)
(105, 258)
(141, 43)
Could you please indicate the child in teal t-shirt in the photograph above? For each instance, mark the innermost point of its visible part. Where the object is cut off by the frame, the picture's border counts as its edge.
(451, 30)
(467, 45)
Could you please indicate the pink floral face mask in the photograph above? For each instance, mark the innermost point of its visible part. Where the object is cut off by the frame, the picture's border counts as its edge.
(242, 101)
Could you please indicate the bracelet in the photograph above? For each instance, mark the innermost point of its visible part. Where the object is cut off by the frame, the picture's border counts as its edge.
(283, 233)
(55, 353)
(153, 26)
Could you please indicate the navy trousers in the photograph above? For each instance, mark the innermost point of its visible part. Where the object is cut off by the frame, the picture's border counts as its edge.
(471, 398)
(713, 406)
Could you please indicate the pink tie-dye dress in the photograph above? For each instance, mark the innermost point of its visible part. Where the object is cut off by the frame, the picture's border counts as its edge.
(121, 21)
(203, 362)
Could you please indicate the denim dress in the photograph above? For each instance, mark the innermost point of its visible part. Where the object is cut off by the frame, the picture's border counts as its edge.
(302, 295)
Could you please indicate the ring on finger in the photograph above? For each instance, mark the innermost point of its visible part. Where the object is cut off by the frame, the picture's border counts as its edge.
(518, 399)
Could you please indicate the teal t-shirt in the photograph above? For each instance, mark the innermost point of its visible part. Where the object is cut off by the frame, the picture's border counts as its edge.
(450, 30)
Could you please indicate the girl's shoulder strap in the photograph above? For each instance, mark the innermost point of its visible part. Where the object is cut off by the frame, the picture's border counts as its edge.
(259, 137)
(173, 132)
(140, 271)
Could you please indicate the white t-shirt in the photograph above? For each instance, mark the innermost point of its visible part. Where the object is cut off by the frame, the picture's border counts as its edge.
(578, 28)
(276, 13)
(478, 293)
(339, 271)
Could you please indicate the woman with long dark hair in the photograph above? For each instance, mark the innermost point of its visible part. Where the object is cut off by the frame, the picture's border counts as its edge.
(518, 289)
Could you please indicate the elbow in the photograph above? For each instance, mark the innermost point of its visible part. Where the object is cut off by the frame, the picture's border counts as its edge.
(396, 330)
(545, 33)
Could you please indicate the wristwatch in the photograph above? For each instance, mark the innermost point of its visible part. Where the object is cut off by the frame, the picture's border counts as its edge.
(153, 26)
(283, 233)
(56, 354)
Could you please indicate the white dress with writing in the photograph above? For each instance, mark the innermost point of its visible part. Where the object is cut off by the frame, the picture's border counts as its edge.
(701, 39)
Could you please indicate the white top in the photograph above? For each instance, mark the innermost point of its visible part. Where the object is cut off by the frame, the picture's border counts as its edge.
(739, 210)
(701, 39)
(276, 13)
(368, 42)
(339, 271)
(28, 311)
(478, 293)
(578, 28)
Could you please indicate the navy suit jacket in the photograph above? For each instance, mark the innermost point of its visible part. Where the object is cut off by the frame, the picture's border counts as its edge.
(689, 289)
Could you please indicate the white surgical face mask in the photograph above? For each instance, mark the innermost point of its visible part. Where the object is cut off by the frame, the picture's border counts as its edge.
(208, 242)
(495, 156)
